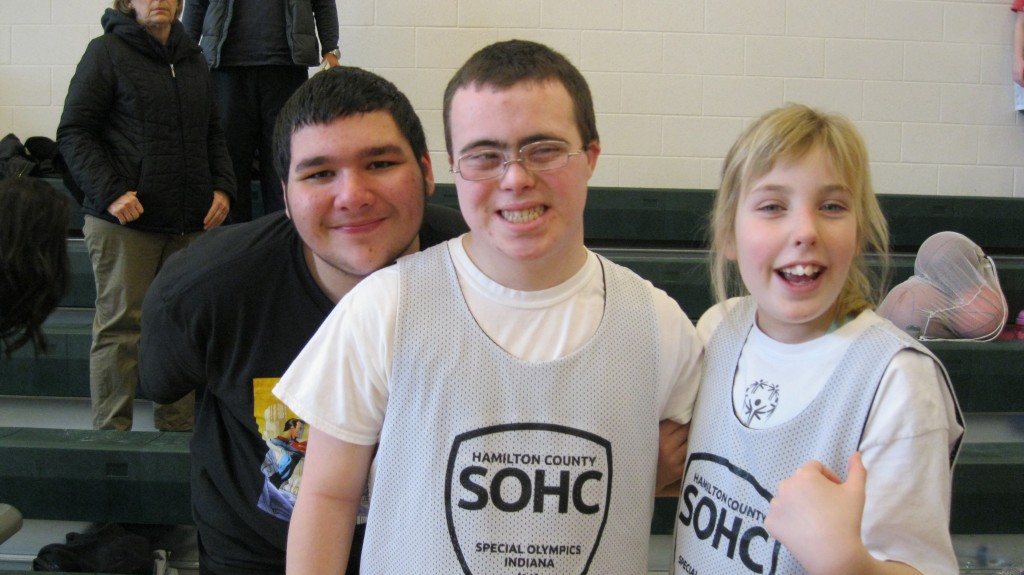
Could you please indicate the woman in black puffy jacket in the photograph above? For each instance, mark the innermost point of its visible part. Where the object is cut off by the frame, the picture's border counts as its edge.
(141, 139)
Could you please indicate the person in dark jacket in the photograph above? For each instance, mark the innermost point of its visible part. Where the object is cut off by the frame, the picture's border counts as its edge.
(259, 52)
(142, 140)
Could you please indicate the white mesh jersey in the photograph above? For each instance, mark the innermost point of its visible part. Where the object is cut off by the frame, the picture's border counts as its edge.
(492, 464)
(342, 383)
(733, 470)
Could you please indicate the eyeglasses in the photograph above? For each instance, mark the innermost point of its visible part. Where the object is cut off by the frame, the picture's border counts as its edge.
(490, 163)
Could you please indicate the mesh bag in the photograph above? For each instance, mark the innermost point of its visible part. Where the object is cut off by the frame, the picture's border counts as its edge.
(953, 294)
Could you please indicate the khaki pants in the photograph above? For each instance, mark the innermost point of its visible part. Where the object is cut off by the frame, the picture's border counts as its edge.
(124, 262)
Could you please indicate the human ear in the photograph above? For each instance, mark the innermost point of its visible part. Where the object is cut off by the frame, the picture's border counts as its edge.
(428, 173)
(284, 192)
(593, 150)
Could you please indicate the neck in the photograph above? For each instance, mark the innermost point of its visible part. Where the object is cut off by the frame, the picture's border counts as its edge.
(333, 282)
(162, 33)
(545, 272)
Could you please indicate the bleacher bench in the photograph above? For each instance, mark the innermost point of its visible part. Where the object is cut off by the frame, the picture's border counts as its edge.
(142, 477)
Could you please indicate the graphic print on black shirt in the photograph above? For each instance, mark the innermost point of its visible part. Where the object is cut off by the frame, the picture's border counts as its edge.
(286, 436)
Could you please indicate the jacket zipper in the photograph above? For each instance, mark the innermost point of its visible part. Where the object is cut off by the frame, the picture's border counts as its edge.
(181, 130)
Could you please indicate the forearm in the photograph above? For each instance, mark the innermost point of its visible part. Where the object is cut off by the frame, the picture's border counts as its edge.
(89, 104)
(672, 446)
(90, 167)
(320, 532)
(325, 13)
(220, 160)
(845, 556)
(193, 16)
(320, 535)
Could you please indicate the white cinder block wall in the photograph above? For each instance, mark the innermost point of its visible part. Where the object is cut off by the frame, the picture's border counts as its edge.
(675, 81)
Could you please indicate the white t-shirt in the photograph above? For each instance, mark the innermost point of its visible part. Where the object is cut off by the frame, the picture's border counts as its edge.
(910, 431)
(346, 397)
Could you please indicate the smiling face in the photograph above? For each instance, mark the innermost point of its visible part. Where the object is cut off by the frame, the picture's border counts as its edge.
(795, 241)
(356, 194)
(526, 228)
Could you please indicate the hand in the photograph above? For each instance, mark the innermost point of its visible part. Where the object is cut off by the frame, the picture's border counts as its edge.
(1018, 69)
(126, 208)
(818, 517)
(329, 61)
(672, 444)
(218, 210)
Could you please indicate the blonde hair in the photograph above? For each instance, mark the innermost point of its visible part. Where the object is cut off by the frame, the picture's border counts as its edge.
(788, 134)
(125, 7)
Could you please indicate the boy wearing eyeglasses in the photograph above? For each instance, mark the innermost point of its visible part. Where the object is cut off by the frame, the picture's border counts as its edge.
(513, 379)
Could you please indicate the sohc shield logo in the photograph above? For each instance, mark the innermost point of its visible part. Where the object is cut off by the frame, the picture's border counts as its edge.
(527, 496)
(721, 520)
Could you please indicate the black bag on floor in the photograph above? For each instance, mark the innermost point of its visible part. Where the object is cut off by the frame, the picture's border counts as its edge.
(110, 549)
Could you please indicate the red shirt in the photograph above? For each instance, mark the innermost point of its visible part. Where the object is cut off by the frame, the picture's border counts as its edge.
(1018, 5)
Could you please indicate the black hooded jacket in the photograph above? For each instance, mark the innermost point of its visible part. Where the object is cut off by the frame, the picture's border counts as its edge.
(140, 116)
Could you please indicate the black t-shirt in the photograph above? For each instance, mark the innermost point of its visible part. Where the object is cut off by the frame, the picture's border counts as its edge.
(230, 313)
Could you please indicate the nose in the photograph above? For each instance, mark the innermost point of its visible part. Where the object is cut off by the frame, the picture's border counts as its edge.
(517, 176)
(805, 227)
(352, 192)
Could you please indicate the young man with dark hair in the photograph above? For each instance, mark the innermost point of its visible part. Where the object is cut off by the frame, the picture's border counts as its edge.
(232, 311)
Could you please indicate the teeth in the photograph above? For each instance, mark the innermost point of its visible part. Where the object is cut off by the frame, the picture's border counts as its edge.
(799, 270)
(522, 216)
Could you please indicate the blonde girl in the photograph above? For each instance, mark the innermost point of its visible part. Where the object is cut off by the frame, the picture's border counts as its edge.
(803, 378)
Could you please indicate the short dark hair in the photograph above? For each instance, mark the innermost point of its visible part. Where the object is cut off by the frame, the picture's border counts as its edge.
(33, 259)
(340, 92)
(505, 64)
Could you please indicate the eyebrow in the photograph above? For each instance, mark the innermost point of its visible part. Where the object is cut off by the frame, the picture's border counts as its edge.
(484, 143)
(383, 150)
(310, 162)
(828, 189)
(370, 152)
